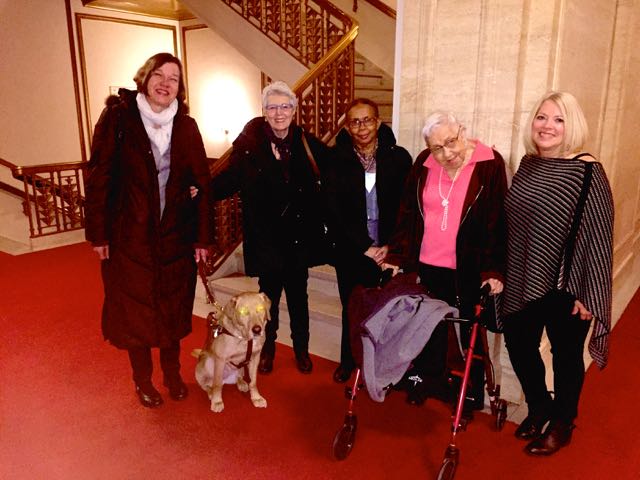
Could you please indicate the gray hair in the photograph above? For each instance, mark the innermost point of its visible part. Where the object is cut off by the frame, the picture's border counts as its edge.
(278, 88)
(437, 119)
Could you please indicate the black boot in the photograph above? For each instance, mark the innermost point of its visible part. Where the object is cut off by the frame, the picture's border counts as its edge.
(557, 435)
(142, 367)
(170, 363)
(267, 355)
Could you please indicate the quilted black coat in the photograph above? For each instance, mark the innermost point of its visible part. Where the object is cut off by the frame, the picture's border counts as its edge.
(149, 279)
(347, 195)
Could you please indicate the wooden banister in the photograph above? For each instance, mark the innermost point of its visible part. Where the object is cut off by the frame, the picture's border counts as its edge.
(52, 195)
(383, 7)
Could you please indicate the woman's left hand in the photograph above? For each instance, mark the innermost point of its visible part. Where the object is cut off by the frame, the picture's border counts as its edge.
(201, 254)
(495, 284)
(579, 308)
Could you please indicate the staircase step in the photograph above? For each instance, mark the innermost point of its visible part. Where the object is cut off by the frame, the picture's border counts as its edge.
(325, 310)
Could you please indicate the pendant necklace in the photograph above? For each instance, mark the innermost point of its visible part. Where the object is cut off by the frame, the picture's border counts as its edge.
(445, 200)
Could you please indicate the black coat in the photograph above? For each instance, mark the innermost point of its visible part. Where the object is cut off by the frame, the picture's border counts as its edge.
(347, 194)
(149, 278)
(282, 218)
(481, 240)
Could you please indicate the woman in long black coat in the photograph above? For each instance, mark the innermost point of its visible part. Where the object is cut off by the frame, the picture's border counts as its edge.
(281, 213)
(143, 224)
(365, 188)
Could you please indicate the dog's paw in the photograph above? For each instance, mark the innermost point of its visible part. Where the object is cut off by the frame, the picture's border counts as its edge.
(217, 407)
(259, 402)
(242, 385)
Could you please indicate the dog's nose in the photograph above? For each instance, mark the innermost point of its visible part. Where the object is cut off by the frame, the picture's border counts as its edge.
(256, 329)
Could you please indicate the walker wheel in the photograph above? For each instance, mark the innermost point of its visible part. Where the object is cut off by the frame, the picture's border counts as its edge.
(501, 414)
(449, 464)
(345, 437)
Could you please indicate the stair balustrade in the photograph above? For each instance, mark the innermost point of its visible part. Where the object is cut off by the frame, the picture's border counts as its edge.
(321, 37)
(52, 196)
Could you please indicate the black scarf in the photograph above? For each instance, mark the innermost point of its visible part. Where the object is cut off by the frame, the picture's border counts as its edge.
(282, 145)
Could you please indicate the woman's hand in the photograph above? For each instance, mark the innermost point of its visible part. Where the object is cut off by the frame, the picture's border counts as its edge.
(387, 266)
(193, 191)
(201, 254)
(495, 284)
(579, 308)
(102, 251)
(377, 254)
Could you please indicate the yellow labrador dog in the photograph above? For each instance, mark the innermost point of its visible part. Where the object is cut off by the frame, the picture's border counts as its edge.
(234, 348)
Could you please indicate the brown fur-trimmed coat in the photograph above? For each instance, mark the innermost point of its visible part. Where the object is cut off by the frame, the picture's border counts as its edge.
(149, 278)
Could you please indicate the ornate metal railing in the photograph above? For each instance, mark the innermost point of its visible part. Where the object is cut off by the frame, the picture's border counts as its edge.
(383, 7)
(52, 195)
(320, 36)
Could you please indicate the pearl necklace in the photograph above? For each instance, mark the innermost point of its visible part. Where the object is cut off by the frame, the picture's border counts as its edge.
(445, 200)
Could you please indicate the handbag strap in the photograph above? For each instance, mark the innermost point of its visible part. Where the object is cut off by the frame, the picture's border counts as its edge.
(577, 218)
(312, 160)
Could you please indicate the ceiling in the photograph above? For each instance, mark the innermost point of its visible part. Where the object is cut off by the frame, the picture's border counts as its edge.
(169, 9)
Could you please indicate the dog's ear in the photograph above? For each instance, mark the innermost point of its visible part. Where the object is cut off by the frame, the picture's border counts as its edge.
(267, 305)
(230, 308)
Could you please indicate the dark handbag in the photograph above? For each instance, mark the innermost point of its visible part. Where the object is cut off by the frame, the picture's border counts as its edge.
(491, 315)
(326, 242)
(559, 300)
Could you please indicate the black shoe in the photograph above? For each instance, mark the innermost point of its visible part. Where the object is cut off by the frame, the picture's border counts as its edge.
(342, 374)
(531, 427)
(556, 436)
(266, 363)
(177, 389)
(147, 394)
(303, 362)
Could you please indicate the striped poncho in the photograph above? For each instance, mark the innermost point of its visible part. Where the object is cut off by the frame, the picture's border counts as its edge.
(540, 208)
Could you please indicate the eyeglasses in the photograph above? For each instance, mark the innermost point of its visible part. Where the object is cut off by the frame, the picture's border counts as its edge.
(356, 123)
(283, 107)
(448, 144)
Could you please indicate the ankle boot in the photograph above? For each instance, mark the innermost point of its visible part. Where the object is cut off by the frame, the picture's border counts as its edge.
(147, 394)
(557, 435)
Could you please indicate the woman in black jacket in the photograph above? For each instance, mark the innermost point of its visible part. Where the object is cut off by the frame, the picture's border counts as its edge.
(281, 212)
(364, 192)
(451, 230)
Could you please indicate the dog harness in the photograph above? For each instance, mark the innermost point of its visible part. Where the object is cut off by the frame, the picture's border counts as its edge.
(215, 329)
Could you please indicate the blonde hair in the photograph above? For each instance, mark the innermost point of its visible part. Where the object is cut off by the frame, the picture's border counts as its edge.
(576, 130)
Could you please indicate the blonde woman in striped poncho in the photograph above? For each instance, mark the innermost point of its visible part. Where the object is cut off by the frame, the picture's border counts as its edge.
(541, 207)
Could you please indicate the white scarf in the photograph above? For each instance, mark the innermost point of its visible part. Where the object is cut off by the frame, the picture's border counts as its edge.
(158, 125)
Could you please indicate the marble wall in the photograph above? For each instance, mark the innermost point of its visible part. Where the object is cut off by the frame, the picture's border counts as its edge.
(489, 61)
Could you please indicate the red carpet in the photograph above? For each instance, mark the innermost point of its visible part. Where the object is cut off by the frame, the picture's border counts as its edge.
(68, 409)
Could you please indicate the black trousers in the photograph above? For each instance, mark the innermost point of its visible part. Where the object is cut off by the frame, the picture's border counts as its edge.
(294, 283)
(359, 270)
(431, 363)
(142, 365)
(567, 337)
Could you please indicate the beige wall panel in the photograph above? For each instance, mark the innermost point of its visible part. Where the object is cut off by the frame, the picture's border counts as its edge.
(583, 61)
(113, 52)
(38, 120)
(224, 88)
